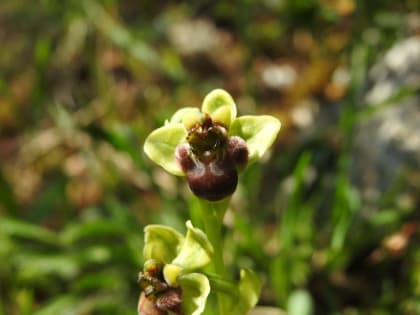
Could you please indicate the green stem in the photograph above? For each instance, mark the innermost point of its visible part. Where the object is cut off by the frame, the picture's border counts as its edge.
(223, 286)
(212, 214)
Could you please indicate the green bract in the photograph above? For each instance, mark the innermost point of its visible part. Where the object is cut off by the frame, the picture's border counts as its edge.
(249, 288)
(259, 132)
(181, 258)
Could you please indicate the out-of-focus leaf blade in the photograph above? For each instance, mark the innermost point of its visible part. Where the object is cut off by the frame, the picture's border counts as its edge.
(27, 230)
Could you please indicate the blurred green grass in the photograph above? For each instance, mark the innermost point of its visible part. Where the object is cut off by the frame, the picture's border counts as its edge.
(83, 82)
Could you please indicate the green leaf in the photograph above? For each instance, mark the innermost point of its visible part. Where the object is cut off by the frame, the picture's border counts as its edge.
(161, 144)
(259, 133)
(195, 290)
(220, 106)
(196, 251)
(64, 304)
(33, 267)
(95, 229)
(249, 291)
(7, 196)
(28, 230)
(161, 243)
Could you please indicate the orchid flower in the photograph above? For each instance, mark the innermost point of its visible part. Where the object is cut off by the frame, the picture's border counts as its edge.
(170, 281)
(212, 145)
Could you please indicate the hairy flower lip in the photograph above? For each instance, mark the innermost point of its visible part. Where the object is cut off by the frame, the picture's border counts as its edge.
(170, 301)
(210, 159)
(146, 306)
(213, 181)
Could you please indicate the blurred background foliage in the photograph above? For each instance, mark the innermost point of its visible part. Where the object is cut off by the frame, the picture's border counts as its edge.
(330, 219)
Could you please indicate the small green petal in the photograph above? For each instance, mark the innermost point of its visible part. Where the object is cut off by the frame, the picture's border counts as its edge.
(259, 133)
(196, 251)
(191, 119)
(171, 273)
(186, 115)
(220, 106)
(249, 291)
(161, 243)
(195, 290)
(161, 144)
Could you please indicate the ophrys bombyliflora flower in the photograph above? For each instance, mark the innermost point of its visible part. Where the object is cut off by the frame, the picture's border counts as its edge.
(211, 146)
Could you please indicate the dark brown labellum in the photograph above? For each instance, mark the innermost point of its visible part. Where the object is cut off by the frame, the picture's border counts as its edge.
(170, 301)
(147, 306)
(211, 160)
(213, 180)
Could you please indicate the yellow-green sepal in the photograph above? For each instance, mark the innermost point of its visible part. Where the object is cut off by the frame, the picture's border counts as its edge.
(259, 133)
(195, 290)
(161, 144)
(161, 243)
(196, 251)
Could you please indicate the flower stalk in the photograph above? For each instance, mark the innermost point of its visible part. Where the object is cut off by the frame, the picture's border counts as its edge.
(213, 214)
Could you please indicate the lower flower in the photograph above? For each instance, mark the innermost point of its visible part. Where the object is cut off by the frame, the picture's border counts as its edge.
(171, 282)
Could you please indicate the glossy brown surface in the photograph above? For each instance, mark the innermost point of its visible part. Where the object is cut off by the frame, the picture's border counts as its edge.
(213, 180)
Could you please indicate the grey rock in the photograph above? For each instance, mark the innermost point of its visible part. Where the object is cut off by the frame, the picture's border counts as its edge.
(389, 141)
